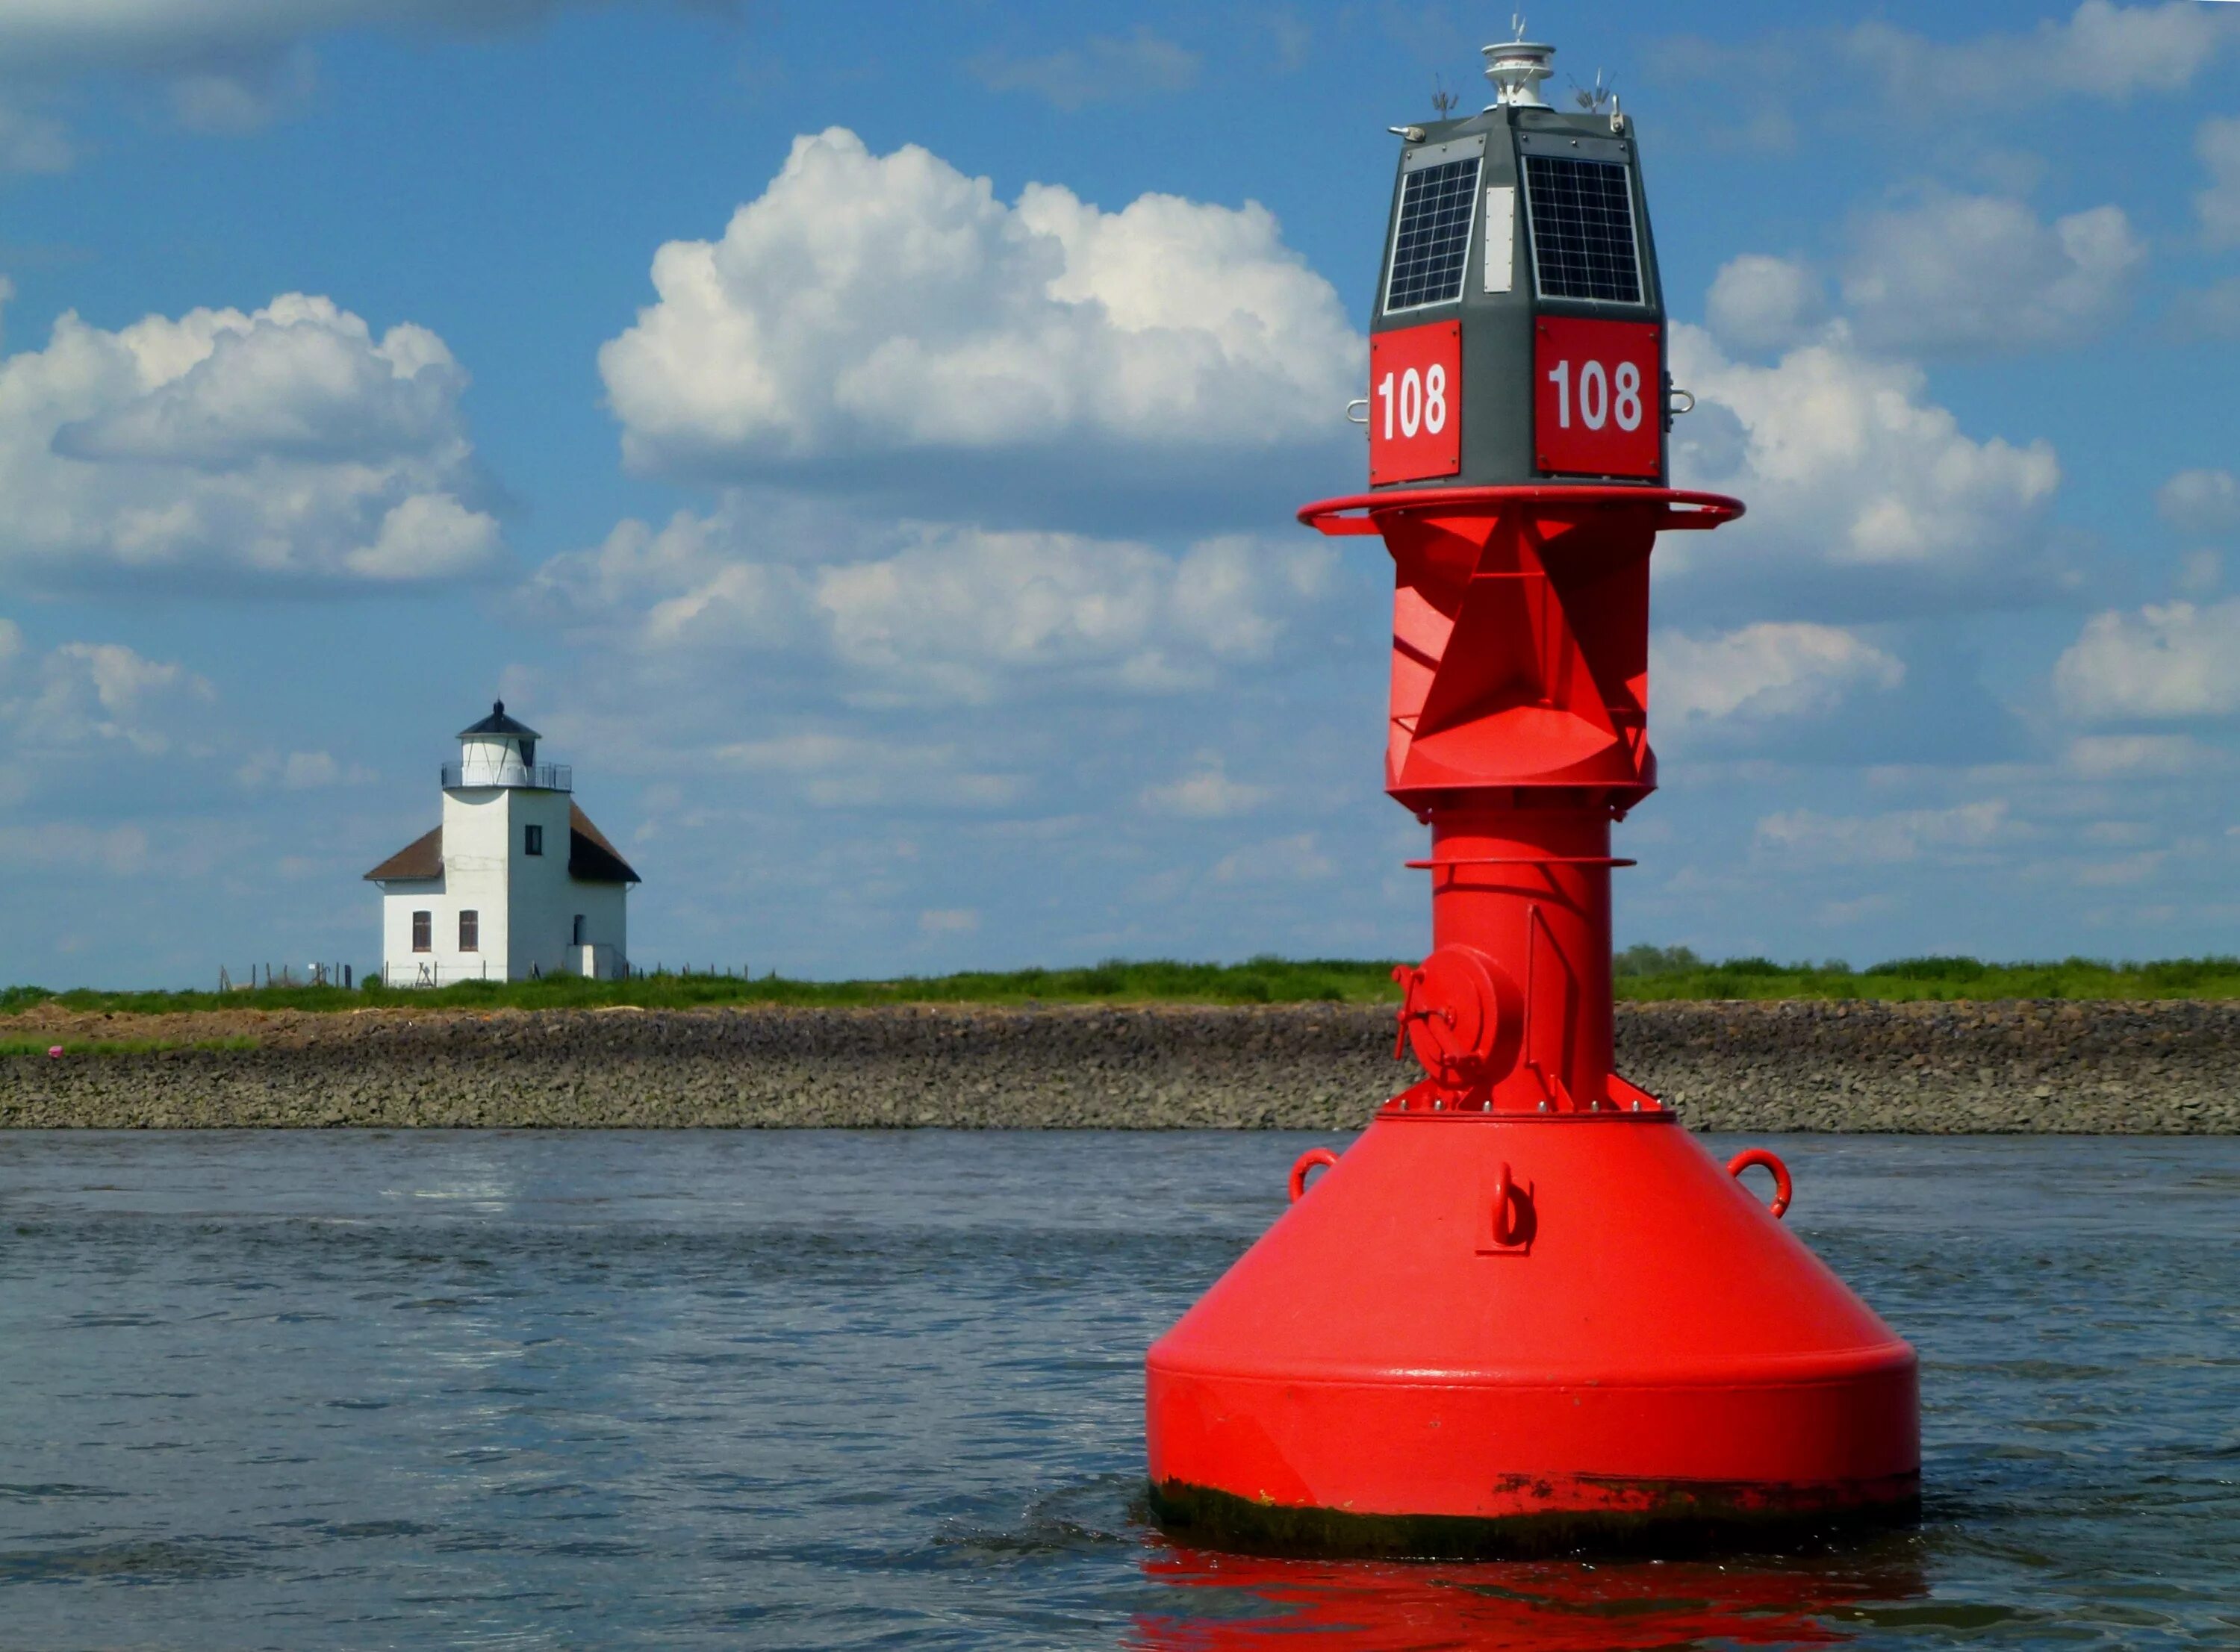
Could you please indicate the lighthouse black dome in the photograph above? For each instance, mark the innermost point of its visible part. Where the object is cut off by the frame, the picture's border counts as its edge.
(498, 723)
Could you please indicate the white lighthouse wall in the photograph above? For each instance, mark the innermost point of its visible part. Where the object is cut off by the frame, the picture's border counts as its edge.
(399, 900)
(538, 889)
(474, 880)
(492, 760)
(605, 909)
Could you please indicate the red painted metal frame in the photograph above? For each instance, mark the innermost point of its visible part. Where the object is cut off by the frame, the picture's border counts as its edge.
(1473, 1327)
(1684, 511)
(1518, 733)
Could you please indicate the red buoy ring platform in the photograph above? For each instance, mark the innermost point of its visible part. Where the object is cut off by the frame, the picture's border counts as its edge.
(1664, 509)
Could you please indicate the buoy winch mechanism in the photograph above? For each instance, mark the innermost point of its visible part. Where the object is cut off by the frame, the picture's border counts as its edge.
(1525, 1309)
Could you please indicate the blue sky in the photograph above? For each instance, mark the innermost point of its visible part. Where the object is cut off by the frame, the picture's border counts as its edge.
(863, 439)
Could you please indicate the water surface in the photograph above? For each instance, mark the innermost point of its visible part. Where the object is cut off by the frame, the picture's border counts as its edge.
(839, 1389)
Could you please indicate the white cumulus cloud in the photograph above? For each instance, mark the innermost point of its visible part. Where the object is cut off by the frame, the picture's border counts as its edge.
(2200, 502)
(1758, 303)
(241, 92)
(1761, 672)
(2211, 312)
(285, 447)
(1901, 836)
(958, 612)
(2219, 145)
(955, 612)
(2200, 572)
(300, 771)
(1297, 859)
(218, 66)
(2176, 660)
(868, 309)
(2142, 756)
(1983, 272)
(1108, 69)
(53, 34)
(1206, 793)
(1846, 466)
(222, 65)
(31, 142)
(93, 694)
(121, 852)
(2100, 50)
(833, 771)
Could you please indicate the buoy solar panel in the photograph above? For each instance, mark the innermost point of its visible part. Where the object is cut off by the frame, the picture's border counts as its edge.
(1526, 1309)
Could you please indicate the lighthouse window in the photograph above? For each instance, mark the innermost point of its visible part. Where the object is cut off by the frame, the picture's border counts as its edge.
(1438, 205)
(470, 931)
(1582, 216)
(533, 840)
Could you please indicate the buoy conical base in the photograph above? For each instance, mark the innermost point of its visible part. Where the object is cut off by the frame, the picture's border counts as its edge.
(1484, 1333)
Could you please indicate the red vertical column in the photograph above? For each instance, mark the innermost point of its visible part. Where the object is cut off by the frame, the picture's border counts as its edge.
(1518, 731)
(1528, 885)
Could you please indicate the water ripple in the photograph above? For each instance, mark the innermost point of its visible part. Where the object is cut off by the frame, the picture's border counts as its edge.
(841, 1390)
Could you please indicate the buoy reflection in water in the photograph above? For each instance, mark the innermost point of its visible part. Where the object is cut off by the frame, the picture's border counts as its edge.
(1551, 1606)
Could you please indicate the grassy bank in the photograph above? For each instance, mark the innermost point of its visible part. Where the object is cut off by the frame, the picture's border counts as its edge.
(118, 1046)
(1643, 973)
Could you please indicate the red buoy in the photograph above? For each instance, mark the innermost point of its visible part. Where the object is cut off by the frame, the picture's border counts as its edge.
(1526, 1308)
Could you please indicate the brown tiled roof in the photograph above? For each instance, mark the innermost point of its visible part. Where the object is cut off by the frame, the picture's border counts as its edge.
(421, 858)
(590, 856)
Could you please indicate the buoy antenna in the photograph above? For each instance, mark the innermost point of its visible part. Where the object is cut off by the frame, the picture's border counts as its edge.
(1595, 98)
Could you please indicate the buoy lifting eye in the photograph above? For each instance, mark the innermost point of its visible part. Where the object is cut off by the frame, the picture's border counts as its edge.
(1781, 1188)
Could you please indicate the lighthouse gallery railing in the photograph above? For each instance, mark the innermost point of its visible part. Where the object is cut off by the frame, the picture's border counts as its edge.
(544, 776)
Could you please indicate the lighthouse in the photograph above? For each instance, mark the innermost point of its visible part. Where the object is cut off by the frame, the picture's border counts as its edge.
(515, 883)
(1525, 1309)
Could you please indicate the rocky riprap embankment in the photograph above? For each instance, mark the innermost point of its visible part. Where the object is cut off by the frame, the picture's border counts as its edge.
(2152, 1067)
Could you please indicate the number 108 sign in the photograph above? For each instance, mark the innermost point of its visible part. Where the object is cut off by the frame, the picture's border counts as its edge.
(1598, 400)
(1416, 404)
